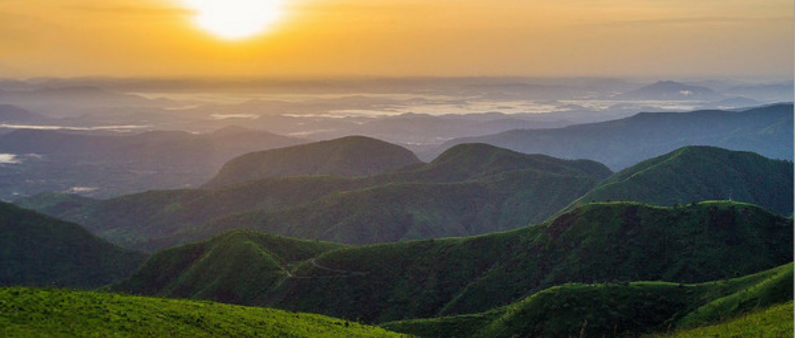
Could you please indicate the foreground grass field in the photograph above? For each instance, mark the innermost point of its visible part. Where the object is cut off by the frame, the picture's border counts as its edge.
(775, 321)
(27, 312)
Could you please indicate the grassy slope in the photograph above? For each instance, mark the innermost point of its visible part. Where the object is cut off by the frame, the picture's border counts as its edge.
(594, 243)
(26, 312)
(701, 173)
(503, 189)
(615, 310)
(236, 267)
(38, 250)
(775, 321)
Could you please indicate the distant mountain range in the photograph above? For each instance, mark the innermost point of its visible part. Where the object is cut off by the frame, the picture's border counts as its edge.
(38, 250)
(669, 90)
(603, 242)
(621, 143)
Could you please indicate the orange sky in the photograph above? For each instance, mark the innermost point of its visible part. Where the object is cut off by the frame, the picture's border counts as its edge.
(658, 38)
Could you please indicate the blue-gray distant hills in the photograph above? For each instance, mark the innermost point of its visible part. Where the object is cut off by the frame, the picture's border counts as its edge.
(669, 90)
(618, 144)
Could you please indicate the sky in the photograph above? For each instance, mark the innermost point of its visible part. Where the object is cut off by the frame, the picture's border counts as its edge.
(624, 38)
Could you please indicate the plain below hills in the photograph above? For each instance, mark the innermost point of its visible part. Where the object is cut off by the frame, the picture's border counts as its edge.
(471, 189)
(621, 143)
(38, 250)
(596, 243)
(107, 165)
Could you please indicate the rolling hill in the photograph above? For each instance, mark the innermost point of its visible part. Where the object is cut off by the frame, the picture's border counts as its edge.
(347, 157)
(698, 173)
(621, 143)
(26, 312)
(614, 309)
(600, 242)
(468, 190)
(38, 250)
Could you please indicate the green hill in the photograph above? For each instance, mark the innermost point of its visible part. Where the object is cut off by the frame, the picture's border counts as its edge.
(37, 250)
(594, 243)
(26, 312)
(701, 173)
(237, 267)
(471, 189)
(775, 321)
(348, 157)
(615, 309)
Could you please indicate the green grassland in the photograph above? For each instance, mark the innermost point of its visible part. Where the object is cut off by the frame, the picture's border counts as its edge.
(26, 312)
(613, 309)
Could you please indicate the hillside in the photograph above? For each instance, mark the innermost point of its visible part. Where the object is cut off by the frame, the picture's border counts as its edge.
(26, 312)
(470, 189)
(775, 321)
(693, 173)
(347, 157)
(621, 143)
(614, 309)
(595, 243)
(405, 211)
(38, 250)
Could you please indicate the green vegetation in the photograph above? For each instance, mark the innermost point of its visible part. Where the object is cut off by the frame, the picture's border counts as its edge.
(347, 157)
(775, 321)
(471, 189)
(26, 312)
(693, 174)
(236, 267)
(597, 243)
(37, 250)
(613, 309)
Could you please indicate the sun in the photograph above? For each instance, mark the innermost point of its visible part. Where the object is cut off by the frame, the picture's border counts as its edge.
(236, 19)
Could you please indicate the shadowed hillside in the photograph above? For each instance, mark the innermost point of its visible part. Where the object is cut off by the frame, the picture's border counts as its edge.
(38, 250)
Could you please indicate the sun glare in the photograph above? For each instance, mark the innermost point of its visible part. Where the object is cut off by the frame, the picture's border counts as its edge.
(236, 19)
